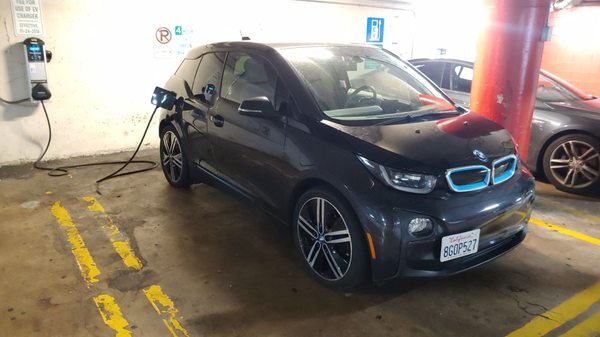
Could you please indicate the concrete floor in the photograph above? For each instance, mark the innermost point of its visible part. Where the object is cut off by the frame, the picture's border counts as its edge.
(226, 269)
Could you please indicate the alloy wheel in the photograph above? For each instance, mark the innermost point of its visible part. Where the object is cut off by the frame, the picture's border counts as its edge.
(575, 164)
(172, 158)
(324, 239)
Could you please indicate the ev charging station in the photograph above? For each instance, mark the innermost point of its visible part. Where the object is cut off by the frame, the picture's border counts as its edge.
(36, 57)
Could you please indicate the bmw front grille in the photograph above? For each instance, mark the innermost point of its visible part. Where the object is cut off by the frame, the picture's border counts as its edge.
(477, 177)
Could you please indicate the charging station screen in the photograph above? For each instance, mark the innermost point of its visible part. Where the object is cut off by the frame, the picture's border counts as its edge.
(34, 53)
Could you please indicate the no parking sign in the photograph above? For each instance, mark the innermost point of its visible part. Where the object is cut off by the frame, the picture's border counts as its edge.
(163, 35)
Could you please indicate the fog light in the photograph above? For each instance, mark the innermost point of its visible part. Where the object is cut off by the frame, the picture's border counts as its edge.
(420, 226)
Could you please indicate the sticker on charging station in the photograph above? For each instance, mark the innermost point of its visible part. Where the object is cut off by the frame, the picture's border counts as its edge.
(375, 30)
(27, 17)
(459, 245)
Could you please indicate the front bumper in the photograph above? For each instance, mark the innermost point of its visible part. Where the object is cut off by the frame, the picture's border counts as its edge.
(501, 212)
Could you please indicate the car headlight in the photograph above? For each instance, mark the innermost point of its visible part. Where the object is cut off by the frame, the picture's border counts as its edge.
(400, 180)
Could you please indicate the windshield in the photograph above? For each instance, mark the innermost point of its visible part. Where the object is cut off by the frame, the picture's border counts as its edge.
(360, 83)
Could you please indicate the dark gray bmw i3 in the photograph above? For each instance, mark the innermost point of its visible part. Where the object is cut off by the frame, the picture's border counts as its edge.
(378, 173)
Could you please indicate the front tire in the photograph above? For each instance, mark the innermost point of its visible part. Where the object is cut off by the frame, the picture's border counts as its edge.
(572, 164)
(330, 239)
(173, 159)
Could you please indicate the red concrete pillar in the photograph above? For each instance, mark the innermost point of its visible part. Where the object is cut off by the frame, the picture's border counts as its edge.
(509, 54)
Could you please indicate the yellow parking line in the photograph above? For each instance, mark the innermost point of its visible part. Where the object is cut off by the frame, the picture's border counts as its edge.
(588, 328)
(119, 241)
(560, 314)
(111, 315)
(566, 231)
(164, 306)
(84, 259)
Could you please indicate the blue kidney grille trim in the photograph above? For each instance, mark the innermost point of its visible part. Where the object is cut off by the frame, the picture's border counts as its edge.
(472, 186)
(507, 174)
(490, 174)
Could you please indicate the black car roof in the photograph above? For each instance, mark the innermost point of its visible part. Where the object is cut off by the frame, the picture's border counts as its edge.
(197, 51)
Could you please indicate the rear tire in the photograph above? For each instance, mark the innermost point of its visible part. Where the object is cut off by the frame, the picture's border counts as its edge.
(173, 159)
(330, 239)
(572, 164)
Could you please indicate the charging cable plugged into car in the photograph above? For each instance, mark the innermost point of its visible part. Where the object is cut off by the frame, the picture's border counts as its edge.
(36, 58)
(161, 98)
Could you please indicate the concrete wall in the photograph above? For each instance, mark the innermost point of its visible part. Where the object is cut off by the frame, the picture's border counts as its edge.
(107, 60)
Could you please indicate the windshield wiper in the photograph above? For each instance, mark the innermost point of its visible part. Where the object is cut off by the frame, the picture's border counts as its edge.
(410, 117)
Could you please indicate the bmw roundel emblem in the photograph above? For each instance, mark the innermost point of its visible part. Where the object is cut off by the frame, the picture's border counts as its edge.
(480, 155)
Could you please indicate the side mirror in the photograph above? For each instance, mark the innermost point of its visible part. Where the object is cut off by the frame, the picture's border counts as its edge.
(257, 107)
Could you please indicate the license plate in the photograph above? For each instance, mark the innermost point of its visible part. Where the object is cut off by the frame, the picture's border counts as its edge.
(459, 245)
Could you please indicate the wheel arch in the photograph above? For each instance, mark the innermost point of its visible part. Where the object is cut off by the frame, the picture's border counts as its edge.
(300, 189)
(169, 121)
(171, 117)
(163, 123)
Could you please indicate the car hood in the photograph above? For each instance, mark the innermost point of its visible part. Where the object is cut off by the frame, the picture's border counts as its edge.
(430, 146)
(588, 108)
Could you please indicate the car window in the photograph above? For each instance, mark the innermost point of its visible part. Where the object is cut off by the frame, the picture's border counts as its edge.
(358, 83)
(550, 91)
(462, 76)
(433, 70)
(209, 73)
(247, 76)
(187, 70)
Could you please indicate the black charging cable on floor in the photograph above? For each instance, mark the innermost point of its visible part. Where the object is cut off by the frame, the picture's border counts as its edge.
(64, 170)
(161, 98)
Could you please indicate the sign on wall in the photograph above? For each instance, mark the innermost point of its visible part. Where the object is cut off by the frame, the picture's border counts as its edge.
(27, 17)
(172, 42)
(375, 30)
(163, 35)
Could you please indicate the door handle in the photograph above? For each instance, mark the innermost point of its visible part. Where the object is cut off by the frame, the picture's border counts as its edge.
(217, 120)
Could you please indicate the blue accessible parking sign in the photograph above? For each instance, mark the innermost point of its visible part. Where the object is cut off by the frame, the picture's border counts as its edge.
(375, 30)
